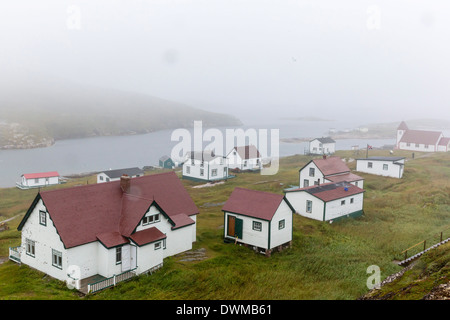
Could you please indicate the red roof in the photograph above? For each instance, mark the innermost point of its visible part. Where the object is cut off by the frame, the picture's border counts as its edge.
(84, 214)
(421, 137)
(331, 191)
(147, 236)
(349, 177)
(41, 175)
(331, 165)
(253, 203)
(402, 126)
(248, 152)
(444, 141)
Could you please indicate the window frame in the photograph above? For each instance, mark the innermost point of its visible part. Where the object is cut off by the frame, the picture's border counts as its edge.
(309, 205)
(257, 225)
(58, 255)
(43, 218)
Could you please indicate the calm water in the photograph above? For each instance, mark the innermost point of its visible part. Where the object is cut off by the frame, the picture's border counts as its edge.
(102, 153)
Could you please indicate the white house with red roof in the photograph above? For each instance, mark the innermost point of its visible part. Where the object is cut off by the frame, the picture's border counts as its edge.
(204, 166)
(327, 202)
(421, 140)
(244, 158)
(325, 170)
(258, 219)
(37, 180)
(103, 230)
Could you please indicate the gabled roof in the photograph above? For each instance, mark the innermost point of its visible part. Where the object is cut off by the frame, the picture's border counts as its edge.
(329, 165)
(146, 236)
(248, 152)
(393, 159)
(324, 140)
(444, 141)
(104, 212)
(252, 203)
(41, 175)
(331, 191)
(202, 155)
(349, 177)
(402, 126)
(421, 137)
(117, 173)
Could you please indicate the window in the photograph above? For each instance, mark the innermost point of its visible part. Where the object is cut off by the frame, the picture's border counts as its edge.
(42, 218)
(306, 183)
(408, 144)
(56, 259)
(214, 172)
(107, 179)
(30, 247)
(351, 200)
(257, 226)
(385, 166)
(426, 146)
(245, 163)
(202, 172)
(417, 145)
(118, 255)
(150, 219)
(311, 172)
(369, 164)
(101, 178)
(188, 169)
(281, 224)
(342, 202)
(158, 245)
(308, 206)
(36, 180)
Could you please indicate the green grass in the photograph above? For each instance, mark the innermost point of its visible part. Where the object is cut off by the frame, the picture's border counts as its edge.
(327, 261)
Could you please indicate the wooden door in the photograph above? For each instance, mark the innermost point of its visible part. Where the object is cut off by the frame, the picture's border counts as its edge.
(234, 227)
(231, 224)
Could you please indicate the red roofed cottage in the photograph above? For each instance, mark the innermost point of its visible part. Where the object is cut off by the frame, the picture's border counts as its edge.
(258, 219)
(106, 229)
(36, 180)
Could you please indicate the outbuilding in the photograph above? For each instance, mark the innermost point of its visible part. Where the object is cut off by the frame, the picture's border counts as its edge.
(114, 175)
(260, 220)
(382, 166)
(37, 180)
(324, 145)
(327, 202)
(204, 166)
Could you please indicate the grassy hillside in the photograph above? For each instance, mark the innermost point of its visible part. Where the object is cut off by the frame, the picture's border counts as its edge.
(327, 261)
(37, 113)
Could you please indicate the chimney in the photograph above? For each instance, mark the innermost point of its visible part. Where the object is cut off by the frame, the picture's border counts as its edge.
(125, 182)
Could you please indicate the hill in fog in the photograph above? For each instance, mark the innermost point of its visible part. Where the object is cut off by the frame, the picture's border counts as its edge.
(37, 111)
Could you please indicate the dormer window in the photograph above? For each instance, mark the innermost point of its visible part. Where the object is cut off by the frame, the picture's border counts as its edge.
(150, 219)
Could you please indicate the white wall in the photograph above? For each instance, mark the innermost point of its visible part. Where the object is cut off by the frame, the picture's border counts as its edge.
(304, 175)
(419, 147)
(250, 236)
(317, 147)
(281, 236)
(234, 161)
(40, 182)
(298, 199)
(219, 164)
(334, 209)
(393, 170)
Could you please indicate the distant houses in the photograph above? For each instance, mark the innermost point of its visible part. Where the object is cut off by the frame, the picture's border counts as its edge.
(325, 170)
(421, 140)
(204, 166)
(260, 220)
(320, 146)
(37, 180)
(327, 202)
(166, 162)
(114, 175)
(382, 166)
(244, 158)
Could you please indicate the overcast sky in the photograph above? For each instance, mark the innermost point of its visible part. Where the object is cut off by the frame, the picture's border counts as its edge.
(376, 60)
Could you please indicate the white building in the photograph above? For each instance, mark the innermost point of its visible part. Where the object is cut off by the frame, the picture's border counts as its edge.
(421, 140)
(327, 169)
(204, 166)
(258, 219)
(105, 229)
(114, 175)
(244, 158)
(382, 166)
(328, 201)
(36, 180)
(321, 146)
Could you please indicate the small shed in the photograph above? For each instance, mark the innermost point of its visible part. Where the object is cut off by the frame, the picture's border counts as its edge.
(257, 219)
(114, 175)
(382, 166)
(166, 162)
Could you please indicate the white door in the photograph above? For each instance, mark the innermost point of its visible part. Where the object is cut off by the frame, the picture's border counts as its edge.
(128, 257)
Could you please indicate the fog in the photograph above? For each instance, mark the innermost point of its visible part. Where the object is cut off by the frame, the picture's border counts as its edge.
(378, 60)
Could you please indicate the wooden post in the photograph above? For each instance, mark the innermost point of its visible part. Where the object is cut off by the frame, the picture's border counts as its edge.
(441, 237)
(424, 244)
